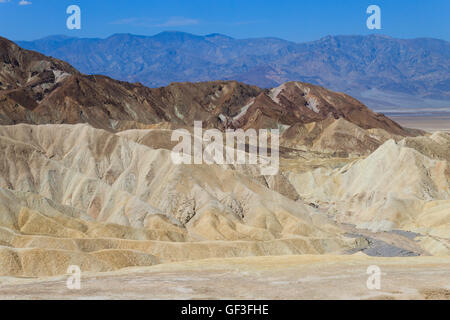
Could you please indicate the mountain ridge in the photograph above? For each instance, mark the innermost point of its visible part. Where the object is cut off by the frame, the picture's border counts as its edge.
(47, 90)
(372, 67)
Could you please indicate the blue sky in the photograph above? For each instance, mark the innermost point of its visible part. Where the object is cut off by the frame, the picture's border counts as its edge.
(295, 20)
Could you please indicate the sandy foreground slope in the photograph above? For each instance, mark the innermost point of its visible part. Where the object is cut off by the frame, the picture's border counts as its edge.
(279, 277)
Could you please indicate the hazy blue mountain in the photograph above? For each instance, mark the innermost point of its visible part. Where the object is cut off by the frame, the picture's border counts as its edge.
(381, 71)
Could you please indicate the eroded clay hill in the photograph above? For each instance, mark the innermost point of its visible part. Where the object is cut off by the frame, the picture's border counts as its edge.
(402, 185)
(72, 193)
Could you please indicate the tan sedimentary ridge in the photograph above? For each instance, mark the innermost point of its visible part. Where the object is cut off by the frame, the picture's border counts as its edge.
(79, 194)
(396, 187)
(74, 191)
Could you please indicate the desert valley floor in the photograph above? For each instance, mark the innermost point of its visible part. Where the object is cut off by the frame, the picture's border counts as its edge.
(427, 123)
(261, 278)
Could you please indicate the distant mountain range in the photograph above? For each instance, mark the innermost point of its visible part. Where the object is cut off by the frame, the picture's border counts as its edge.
(385, 73)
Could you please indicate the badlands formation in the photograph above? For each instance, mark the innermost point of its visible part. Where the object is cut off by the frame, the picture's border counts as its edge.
(86, 177)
